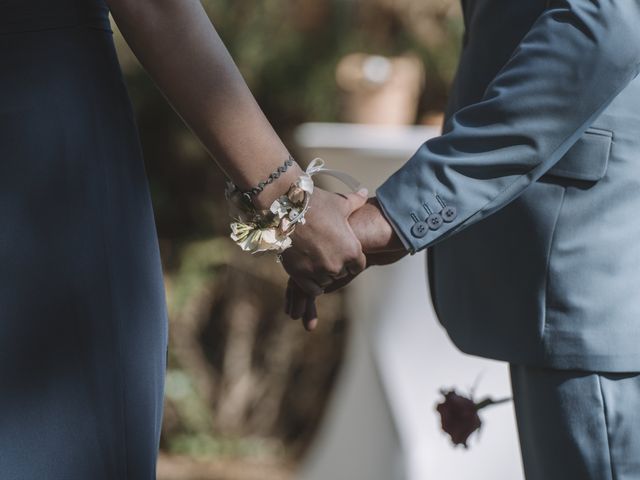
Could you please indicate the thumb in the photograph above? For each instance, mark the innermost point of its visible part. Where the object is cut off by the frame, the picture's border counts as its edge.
(356, 200)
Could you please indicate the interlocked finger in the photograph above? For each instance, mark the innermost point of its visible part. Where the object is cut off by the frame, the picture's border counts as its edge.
(310, 317)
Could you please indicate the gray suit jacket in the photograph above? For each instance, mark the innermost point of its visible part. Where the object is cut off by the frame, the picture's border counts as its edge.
(530, 199)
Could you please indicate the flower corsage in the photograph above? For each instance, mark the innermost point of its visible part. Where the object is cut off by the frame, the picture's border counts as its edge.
(270, 230)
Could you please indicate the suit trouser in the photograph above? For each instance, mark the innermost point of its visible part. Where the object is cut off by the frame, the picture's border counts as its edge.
(577, 425)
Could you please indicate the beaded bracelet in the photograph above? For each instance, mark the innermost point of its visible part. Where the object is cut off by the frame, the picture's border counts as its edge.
(249, 194)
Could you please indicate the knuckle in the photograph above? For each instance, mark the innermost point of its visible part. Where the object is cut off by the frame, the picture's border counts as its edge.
(355, 254)
(322, 264)
(358, 264)
(356, 268)
(333, 269)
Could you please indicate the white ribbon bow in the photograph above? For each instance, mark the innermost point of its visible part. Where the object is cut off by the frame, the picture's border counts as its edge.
(317, 167)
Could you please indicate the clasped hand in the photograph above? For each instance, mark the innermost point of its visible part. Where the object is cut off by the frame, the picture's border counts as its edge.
(343, 235)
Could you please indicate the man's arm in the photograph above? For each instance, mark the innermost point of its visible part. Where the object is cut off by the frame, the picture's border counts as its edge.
(569, 67)
(572, 63)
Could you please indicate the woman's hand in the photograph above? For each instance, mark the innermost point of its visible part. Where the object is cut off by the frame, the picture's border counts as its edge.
(325, 248)
(381, 246)
(301, 305)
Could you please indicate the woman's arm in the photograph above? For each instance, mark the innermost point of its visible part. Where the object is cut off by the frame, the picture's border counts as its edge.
(179, 47)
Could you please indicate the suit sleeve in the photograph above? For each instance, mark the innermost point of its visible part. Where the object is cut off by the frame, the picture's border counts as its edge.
(567, 69)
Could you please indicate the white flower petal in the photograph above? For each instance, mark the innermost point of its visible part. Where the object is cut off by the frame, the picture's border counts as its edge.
(306, 183)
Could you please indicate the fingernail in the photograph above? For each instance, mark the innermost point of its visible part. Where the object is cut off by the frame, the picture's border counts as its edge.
(363, 192)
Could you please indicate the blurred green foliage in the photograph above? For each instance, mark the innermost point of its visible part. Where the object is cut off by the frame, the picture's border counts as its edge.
(288, 49)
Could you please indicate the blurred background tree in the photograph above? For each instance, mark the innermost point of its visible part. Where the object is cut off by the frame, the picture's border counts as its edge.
(244, 382)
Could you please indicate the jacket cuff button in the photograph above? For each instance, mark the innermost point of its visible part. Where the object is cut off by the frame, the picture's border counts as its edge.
(419, 229)
(434, 221)
(449, 214)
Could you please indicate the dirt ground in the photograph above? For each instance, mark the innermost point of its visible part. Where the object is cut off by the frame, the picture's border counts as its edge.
(184, 468)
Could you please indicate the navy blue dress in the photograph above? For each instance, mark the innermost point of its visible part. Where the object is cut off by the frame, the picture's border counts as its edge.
(83, 322)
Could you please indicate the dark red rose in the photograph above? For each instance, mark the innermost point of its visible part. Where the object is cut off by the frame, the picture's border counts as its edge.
(459, 415)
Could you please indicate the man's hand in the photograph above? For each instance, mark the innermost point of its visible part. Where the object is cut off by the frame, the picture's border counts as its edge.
(379, 241)
(380, 244)
(374, 231)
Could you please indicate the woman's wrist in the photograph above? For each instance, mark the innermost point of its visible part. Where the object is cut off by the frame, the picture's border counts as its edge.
(278, 187)
(264, 219)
